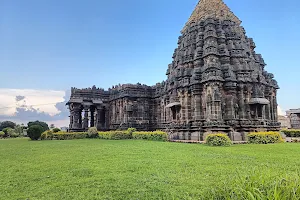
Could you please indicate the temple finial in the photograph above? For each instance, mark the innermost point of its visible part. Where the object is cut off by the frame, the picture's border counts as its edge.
(212, 8)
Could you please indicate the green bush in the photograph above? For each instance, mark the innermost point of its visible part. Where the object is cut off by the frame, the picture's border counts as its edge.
(69, 135)
(264, 137)
(47, 135)
(131, 133)
(92, 132)
(50, 135)
(131, 130)
(35, 132)
(218, 139)
(6, 130)
(2, 134)
(148, 135)
(115, 135)
(11, 133)
(291, 133)
(55, 130)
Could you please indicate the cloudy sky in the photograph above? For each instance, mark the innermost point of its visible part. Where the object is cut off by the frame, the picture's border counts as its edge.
(23, 105)
(46, 47)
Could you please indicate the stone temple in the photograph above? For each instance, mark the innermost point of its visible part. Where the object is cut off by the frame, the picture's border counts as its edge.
(215, 83)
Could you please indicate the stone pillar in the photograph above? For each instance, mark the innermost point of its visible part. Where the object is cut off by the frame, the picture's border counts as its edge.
(163, 113)
(106, 119)
(267, 109)
(100, 120)
(86, 118)
(80, 117)
(272, 108)
(234, 107)
(125, 108)
(76, 121)
(197, 107)
(263, 112)
(189, 108)
(183, 101)
(241, 104)
(197, 103)
(71, 120)
(275, 109)
(92, 110)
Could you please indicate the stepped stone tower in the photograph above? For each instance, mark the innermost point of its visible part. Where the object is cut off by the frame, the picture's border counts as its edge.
(216, 82)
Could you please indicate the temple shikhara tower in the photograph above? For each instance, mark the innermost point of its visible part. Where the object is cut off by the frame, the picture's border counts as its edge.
(216, 83)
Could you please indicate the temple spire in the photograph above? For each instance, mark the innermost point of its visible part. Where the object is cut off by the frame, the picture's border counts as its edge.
(212, 8)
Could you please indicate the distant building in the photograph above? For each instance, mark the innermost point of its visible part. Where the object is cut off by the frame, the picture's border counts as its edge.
(285, 121)
(294, 118)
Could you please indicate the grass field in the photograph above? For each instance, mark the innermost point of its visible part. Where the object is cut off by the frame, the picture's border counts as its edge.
(98, 169)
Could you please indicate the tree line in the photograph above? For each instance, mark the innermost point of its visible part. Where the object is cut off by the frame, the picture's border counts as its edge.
(11, 129)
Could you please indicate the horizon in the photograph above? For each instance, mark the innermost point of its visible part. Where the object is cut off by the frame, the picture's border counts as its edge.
(54, 46)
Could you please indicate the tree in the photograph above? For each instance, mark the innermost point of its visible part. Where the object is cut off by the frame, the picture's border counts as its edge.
(2, 134)
(44, 125)
(35, 132)
(6, 131)
(19, 129)
(12, 133)
(55, 130)
(7, 124)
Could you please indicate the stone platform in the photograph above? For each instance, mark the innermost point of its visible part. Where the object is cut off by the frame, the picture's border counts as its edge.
(203, 142)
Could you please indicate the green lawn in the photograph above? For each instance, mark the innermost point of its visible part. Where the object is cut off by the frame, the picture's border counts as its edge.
(99, 169)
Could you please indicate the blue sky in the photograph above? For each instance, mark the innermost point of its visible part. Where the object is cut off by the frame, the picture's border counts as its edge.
(57, 44)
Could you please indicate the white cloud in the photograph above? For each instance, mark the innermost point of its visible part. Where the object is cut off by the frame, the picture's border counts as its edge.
(43, 100)
(280, 111)
(23, 105)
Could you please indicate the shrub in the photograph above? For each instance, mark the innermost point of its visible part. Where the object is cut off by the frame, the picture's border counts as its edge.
(35, 132)
(115, 135)
(147, 135)
(69, 135)
(12, 133)
(2, 134)
(47, 135)
(291, 133)
(264, 138)
(92, 132)
(218, 139)
(55, 130)
(6, 130)
(131, 130)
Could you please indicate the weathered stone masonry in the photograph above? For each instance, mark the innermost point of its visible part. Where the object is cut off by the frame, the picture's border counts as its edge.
(216, 82)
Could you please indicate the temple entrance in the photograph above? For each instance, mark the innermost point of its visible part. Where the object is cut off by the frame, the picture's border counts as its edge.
(257, 107)
(174, 113)
(256, 111)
